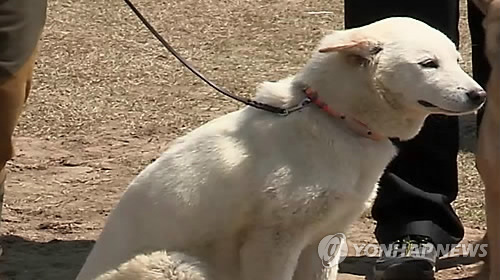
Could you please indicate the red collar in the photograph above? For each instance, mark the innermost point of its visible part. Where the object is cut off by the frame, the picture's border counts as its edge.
(353, 123)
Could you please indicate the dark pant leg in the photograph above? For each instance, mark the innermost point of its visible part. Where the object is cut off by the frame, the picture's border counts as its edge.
(421, 182)
(480, 67)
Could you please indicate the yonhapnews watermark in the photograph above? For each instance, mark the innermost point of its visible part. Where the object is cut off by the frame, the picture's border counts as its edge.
(333, 249)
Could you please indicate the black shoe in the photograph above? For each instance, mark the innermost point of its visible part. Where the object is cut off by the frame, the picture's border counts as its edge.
(409, 258)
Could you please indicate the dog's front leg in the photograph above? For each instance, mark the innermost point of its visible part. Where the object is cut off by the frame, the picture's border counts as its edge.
(270, 254)
(311, 267)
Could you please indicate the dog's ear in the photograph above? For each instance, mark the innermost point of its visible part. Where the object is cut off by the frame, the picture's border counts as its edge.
(483, 5)
(359, 52)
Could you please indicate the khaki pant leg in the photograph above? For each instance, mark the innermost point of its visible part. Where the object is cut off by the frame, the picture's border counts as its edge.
(14, 91)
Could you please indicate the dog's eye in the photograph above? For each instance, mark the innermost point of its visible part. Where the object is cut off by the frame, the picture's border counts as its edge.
(429, 63)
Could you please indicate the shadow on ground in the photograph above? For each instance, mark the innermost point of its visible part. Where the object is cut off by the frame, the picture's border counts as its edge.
(360, 266)
(455, 261)
(29, 260)
(62, 259)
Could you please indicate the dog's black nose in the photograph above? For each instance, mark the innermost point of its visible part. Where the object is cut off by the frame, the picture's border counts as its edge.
(477, 96)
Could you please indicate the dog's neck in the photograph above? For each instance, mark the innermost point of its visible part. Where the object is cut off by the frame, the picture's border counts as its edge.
(360, 96)
(354, 124)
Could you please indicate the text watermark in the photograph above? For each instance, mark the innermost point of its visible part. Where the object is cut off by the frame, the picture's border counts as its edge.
(333, 249)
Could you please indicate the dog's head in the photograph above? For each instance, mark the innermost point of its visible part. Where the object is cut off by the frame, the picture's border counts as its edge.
(491, 23)
(414, 63)
(412, 68)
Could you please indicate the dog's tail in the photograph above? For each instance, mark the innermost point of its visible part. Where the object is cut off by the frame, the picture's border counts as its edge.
(158, 265)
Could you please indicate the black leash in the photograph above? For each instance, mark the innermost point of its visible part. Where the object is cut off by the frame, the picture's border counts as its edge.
(246, 101)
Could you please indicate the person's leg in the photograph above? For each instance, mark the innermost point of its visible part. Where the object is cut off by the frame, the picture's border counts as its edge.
(421, 182)
(21, 24)
(480, 67)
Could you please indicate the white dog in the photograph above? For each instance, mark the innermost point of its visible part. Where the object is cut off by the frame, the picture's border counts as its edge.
(250, 195)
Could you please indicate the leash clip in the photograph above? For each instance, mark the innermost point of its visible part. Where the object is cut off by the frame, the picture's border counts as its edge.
(306, 101)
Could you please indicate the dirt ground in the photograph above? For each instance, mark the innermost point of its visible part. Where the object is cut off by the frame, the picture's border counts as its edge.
(107, 99)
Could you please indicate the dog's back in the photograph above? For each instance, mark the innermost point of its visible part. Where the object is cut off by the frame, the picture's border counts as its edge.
(202, 195)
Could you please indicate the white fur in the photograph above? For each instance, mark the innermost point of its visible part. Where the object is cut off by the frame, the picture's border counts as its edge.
(250, 194)
(157, 266)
